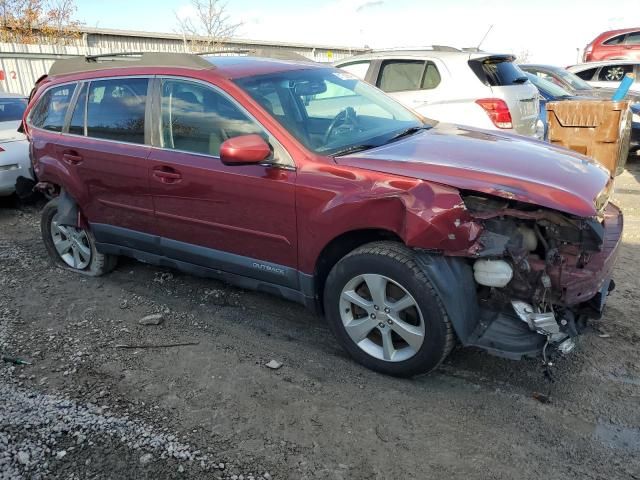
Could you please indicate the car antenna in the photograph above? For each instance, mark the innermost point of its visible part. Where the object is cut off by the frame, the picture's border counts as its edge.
(484, 38)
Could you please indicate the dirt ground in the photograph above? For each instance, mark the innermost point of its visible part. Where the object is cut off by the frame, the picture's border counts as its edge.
(320, 415)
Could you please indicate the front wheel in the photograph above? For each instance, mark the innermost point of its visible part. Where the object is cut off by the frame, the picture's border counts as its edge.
(385, 312)
(72, 247)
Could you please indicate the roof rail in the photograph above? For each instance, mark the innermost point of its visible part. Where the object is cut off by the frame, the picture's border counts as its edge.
(276, 53)
(118, 60)
(434, 48)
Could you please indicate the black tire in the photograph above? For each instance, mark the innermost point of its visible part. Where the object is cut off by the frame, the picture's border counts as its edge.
(397, 263)
(99, 263)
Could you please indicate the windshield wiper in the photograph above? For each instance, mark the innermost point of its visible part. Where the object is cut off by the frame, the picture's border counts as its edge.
(406, 133)
(352, 149)
(367, 146)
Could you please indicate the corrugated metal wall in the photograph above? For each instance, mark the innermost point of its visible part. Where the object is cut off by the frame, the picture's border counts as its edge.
(21, 65)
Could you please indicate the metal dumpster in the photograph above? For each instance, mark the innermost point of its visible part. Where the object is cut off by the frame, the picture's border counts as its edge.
(600, 129)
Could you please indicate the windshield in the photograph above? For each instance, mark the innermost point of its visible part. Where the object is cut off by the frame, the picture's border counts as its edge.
(330, 111)
(12, 108)
(548, 88)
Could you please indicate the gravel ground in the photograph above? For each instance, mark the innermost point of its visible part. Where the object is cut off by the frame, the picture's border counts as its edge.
(106, 397)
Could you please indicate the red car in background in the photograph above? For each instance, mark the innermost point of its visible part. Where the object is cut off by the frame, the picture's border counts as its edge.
(621, 44)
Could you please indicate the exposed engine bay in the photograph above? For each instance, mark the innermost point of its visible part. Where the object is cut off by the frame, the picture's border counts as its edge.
(548, 269)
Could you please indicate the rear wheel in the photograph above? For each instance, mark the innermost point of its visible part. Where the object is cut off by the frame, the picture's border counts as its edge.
(385, 312)
(72, 247)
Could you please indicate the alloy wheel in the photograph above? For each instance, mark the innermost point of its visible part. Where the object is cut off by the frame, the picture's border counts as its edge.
(382, 318)
(614, 74)
(72, 244)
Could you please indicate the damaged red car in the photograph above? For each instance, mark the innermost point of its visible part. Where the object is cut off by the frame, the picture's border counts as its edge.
(300, 180)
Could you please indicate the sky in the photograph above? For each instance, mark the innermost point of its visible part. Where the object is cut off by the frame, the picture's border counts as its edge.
(519, 27)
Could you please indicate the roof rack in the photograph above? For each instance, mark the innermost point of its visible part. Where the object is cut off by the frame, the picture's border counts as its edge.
(118, 60)
(435, 48)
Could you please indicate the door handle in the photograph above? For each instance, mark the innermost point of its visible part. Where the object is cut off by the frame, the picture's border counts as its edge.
(167, 175)
(71, 157)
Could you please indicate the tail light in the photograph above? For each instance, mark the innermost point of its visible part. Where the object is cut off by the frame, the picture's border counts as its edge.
(1, 149)
(498, 111)
(587, 52)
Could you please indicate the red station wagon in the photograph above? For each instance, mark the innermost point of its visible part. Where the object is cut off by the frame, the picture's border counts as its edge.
(300, 180)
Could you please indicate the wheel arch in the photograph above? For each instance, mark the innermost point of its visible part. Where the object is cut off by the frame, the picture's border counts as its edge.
(339, 247)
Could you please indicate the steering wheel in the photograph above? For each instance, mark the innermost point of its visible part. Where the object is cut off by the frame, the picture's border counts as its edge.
(344, 122)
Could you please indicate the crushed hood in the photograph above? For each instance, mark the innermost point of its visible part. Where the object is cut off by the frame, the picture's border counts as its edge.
(499, 164)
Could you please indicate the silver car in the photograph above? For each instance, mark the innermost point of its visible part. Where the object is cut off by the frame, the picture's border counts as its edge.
(608, 74)
(480, 89)
(14, 148)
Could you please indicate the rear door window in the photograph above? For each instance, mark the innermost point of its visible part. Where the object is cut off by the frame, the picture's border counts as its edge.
(633, 39)
(400, 75)
(77, 124)
(617, 40)
(116, 109)
(49, 113)
(408, 75)
(614, 73)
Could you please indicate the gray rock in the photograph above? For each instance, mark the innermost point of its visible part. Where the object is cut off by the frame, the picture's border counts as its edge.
(274, 365)
(146, 458)
(23, 458)
(154, 319)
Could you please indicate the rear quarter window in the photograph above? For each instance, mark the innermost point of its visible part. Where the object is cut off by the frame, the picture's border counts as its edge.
(497, 72)
(50, 111)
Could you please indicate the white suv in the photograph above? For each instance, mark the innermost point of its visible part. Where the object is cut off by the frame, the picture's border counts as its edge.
(450, 85)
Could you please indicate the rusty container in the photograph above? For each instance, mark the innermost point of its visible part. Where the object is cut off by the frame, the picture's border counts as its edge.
(600, 129)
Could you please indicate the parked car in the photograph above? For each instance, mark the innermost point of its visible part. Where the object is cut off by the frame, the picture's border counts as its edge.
(607, 74)
(300, 180)
(573, 83)
(614, 45)
(14, 148)
(478, 89)
(551, 92)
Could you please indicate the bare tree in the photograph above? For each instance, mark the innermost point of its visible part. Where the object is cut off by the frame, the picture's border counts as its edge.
(32, 21)
(208, 27)
(524, 56)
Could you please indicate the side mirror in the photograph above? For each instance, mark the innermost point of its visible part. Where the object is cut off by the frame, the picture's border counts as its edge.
(244, 150)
